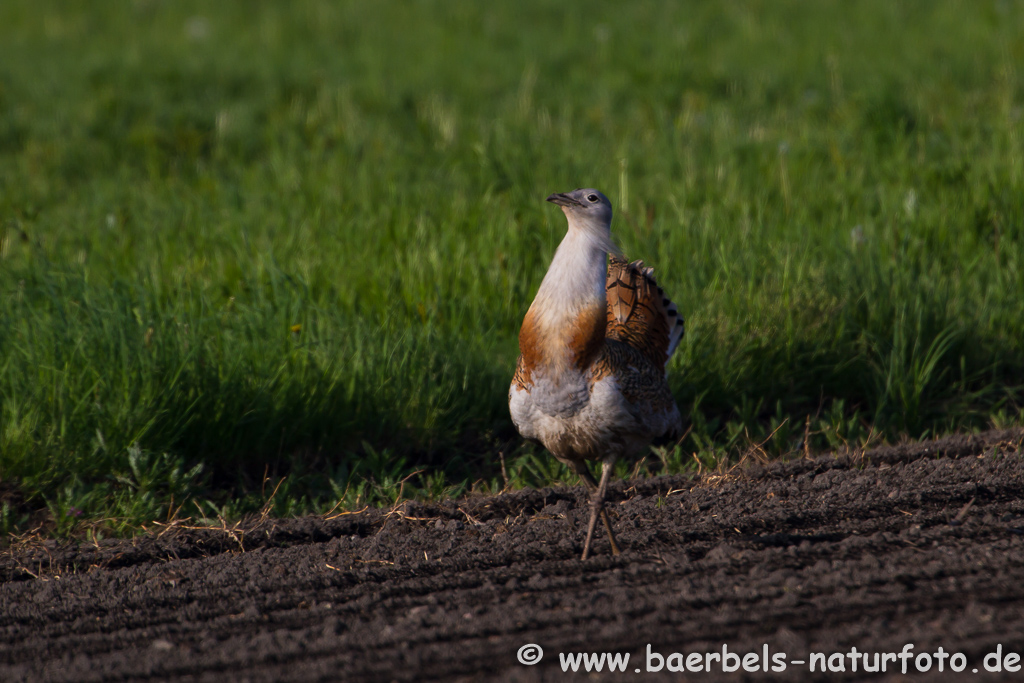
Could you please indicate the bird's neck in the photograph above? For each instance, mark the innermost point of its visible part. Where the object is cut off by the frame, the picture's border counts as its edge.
(565, 325)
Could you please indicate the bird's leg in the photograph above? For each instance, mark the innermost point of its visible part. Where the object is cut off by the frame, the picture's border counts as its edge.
(602, 489)
(597, 494)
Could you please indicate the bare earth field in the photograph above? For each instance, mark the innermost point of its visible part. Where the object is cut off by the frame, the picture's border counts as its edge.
(921, 543)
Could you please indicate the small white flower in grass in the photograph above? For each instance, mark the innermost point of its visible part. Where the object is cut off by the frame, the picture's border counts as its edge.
(197, 28)
(857, 237)
(910, 203)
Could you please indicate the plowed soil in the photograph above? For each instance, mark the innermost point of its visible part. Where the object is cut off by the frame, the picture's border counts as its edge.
(921, 543)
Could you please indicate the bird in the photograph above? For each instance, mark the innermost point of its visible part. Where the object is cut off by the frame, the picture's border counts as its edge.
(591, 380)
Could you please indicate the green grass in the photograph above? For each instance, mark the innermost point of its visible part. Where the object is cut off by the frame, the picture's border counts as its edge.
(248, 247)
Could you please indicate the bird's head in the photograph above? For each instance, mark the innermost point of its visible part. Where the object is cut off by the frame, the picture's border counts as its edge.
(586, 208)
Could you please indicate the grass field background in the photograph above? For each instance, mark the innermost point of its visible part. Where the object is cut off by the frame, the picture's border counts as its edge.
(258, 247)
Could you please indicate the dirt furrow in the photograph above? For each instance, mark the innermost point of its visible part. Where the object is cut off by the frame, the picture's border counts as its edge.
(919, 544)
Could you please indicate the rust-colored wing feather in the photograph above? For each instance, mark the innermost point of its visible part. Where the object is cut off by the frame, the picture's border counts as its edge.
(639, 313)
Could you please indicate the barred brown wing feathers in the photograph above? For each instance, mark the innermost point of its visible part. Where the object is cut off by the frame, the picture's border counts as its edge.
(621, 292)
(521, 379)
(639, 313)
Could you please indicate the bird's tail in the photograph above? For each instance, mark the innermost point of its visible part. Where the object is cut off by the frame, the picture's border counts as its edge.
(639, 313)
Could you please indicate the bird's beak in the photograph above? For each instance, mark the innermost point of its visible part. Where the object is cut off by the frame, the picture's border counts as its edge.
(563, 199)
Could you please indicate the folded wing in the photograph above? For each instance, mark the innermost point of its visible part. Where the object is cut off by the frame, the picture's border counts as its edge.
(639, 313)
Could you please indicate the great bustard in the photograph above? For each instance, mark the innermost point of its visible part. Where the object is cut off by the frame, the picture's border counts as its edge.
(590, 383)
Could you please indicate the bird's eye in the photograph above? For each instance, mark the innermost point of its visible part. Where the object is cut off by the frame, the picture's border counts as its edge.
(592, 197)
